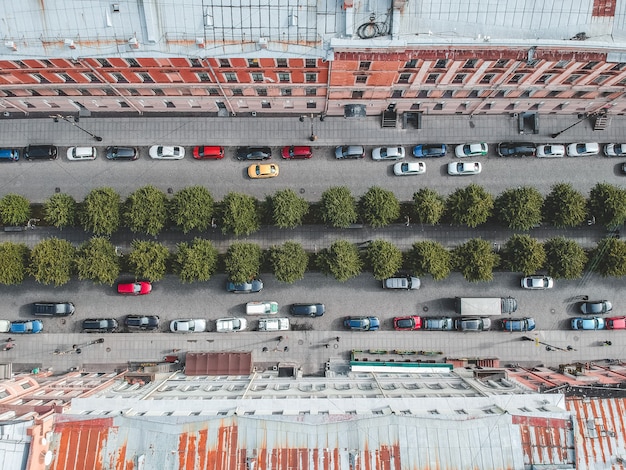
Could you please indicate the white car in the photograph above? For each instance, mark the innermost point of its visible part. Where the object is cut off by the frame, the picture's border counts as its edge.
(81, 153)
(464, 168)
(409, 168)
(475, 149)
(583, 149)
(615, 150)
(388, 153)
(164, 152)
(274, 324)
(550, 151)
(537, 282)
(5, 326)
(188, 326)
(227, 325)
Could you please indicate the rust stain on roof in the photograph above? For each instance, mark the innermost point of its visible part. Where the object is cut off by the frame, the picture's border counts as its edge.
(81, 444)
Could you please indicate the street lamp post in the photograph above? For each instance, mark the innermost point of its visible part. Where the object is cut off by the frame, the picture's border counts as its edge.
(56, 118)
(556, 134)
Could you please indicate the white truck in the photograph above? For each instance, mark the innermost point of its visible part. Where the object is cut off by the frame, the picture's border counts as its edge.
(481, 306)
(263, 307)
(228, 325)
(273, 324)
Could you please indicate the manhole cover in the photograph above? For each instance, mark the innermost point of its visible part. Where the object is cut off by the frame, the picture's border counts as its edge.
(335, 345)
(576, 338)
(425, 308)
(108, 349)
(300, 341)
(302, 190)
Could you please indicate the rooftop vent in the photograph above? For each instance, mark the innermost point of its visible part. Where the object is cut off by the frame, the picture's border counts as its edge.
(263, 43)
(11, 45)
(133, 42)
(70, 43)
(115, 7)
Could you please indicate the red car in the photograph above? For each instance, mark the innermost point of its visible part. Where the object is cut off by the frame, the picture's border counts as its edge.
(615, 323)
(134, 288)
(297, 152)
(208, 152)
(407, 323)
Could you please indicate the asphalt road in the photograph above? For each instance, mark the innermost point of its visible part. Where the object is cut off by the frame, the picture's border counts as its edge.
(39, 180)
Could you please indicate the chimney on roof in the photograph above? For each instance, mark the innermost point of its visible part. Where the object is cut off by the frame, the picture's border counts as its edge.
(11, 45)
(133, 42)
(200, 43)
(70, 43)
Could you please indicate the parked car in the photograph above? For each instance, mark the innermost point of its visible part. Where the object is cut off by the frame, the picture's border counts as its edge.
(472, 324)
(349, 152)
(264, 170)
(230, 325)
(255, 285)
(273, 324)
(615, 323)
(167, 152)
(81, 153)
(362, 323)
(188, 326)
(518, 324)
(516, 149)
(406, 283)
(623, 168)
(134, 288)
(53, 309)
(594, 323)
(9, 155)
(550, 151)
(262, 307)
(40, 152)
(297, 152)
(429, 150)
(409, 168)
(388, 153)
(307, 310)
(100, 325)
(595, 307)
(5, 326)
(254, 153)
(26, 326)
(208, 152)
(122, 153)
(475, 149)
(464, 168)
(537, 282)
(437, 323)
(142, 322)
(615, 150)
(583, 149)
(407, 323)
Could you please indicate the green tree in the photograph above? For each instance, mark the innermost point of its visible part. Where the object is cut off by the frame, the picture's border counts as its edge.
(13, 263)
(196, 261)
(51, 261)
(565, 259)
(338, 207)
(145, 210)
(524, 254)
(428, 206)
(60, 210)
(564, 206)
(607, 203)
(470, 206)
(192, 208)
(430, 257)
(243, 262)
(100, 213)
(341, 260)
(14, 210)
(519, 208)
(97, 261)
(289, 262)
(287, 208)
(148, 260)
(385, 259)
(609, 258)
(475, 260)
(240, 214)
(379, 207)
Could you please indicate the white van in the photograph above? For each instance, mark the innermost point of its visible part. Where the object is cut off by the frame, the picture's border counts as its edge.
(262, 308)
(81, 153)
(273, 324)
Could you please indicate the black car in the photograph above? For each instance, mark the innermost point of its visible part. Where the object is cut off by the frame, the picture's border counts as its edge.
(122, 153)
(53, 309)
(595, 307)
(40, 152)
(307, 310)
(517, 149)
(142, 322)
(254, 153)
(100, 325)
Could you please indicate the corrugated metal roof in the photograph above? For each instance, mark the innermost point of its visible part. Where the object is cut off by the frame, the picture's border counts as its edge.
(14, 444)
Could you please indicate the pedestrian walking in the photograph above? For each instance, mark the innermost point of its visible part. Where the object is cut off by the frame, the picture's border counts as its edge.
(8, 347)
(607, 343)
(337, 338)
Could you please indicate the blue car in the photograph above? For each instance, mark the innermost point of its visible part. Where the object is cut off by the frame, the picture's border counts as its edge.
(30, 326)
(429, 150)
(362, 323)
(254, 285)
(518, 324)
(9, 155)
(595, 323)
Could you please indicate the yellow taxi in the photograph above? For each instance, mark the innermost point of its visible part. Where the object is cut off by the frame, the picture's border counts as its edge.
(263, 170)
